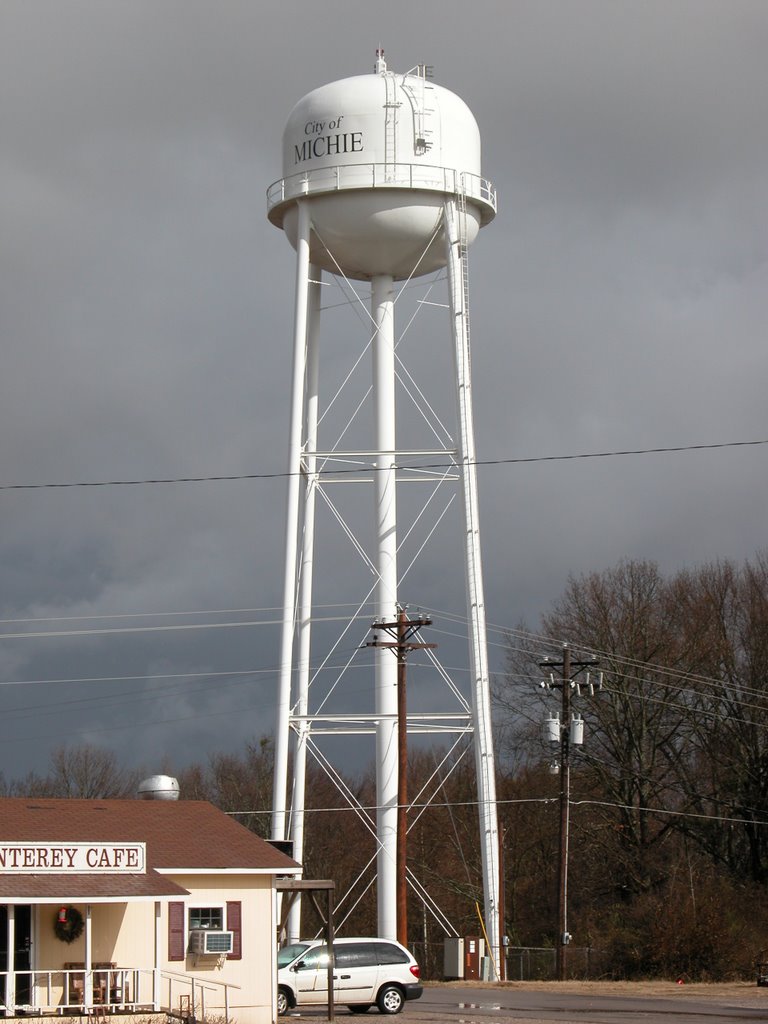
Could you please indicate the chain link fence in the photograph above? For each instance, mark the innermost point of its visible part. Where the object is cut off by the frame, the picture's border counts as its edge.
(524, 963)
(533, 963)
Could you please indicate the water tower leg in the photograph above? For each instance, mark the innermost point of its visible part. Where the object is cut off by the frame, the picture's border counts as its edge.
(291, 523)
(382, 311)
(304, 625)
(481, 703)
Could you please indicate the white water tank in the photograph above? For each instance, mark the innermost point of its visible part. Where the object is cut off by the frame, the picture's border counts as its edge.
(376, 155)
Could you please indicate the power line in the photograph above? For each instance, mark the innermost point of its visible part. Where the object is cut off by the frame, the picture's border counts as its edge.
(174, 627)
(371, 808)
(541, 639)
(223, 478)
(160, 693)
(629, 663)
(681, 675)
(166, 614)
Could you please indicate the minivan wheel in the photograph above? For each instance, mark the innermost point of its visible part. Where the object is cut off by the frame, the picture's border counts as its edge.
(390, 999)
(359, 1007)
(283, 1002)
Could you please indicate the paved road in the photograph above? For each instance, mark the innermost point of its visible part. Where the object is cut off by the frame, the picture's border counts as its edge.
(489, 1004)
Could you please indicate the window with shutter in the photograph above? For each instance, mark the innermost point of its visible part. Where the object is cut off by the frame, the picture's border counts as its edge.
(206, 917)
(176, 915)
(235, 925)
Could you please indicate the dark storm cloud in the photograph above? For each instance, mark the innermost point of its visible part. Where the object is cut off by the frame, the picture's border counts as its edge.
(619, 301)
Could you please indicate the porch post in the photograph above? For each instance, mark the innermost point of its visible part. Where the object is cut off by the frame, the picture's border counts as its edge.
(10, 983)
(88, 983)
(156, 970)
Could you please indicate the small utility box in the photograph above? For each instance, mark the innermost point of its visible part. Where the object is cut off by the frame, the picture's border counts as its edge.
(453, 959)
(474, 952)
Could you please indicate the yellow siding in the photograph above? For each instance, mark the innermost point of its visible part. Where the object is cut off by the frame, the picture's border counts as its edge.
(124, 934)
(255, 972)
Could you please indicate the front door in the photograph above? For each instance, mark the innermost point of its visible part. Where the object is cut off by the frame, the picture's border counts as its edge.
(22, 953)
(312, 976)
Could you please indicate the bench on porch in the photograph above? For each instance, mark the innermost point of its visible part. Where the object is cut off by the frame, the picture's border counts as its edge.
(107, 983)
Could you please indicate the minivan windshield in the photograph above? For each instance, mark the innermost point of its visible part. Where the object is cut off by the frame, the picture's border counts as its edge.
(288, 954)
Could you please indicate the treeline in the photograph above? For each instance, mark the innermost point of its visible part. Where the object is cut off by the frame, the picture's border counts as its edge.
(444, 853)
(669, 793)
(668, 838)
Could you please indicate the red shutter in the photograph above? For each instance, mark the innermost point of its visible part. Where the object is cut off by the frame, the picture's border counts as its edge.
(235, 925)
(176, 931)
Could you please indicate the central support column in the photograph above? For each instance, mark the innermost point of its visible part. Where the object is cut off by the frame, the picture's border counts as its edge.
(382, 311)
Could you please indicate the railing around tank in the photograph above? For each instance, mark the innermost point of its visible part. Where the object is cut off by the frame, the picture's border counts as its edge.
(75, 990)
(365, 176)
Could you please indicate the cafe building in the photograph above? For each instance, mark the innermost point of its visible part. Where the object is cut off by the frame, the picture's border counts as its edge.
(136, 906)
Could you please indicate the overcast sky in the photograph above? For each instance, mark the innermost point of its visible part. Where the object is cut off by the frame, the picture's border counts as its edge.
(619, 302)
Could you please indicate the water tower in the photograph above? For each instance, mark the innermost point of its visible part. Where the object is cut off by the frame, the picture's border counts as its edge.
(382, 184)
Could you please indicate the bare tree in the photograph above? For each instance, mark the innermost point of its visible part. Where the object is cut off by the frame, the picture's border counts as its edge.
(670, 796)
(240, 784)
(626, 618)
(83, 772)
(728, 728)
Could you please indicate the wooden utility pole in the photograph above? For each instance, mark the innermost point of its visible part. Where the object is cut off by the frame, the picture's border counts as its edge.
(401, 645)
(565, 809)
(570, 669)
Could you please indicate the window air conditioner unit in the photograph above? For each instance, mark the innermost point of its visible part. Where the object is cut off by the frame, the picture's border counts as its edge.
(206, 941)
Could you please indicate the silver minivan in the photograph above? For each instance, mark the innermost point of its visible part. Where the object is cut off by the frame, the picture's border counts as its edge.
(366, 972)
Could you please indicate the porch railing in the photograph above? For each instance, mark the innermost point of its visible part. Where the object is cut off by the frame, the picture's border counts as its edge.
(191, 995)
(127, 989)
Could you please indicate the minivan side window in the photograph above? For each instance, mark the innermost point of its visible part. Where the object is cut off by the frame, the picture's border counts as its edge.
(389, 954)
(355, 954)
(287, 954)
(314, 960)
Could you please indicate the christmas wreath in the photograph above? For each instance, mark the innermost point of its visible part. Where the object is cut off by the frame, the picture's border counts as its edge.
(68, 924)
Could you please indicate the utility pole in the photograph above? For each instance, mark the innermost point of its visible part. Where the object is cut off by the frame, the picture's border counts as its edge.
(569, 731)
(502, 965)
(401, 645)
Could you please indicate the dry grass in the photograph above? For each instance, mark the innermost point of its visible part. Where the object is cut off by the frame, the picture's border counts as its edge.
(741, 990)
